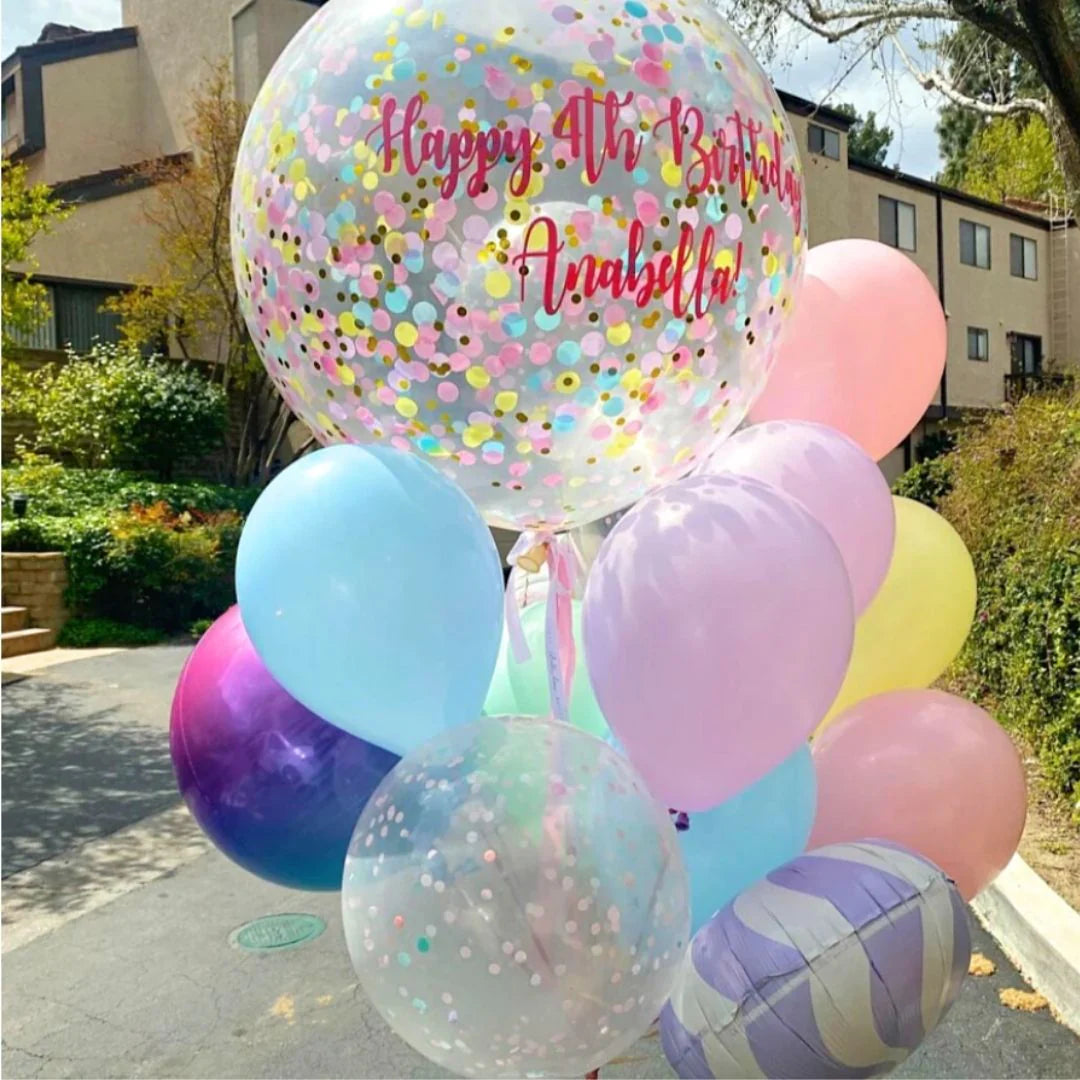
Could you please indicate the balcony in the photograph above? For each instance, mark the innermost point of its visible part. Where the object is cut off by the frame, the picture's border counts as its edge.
(1019, 383)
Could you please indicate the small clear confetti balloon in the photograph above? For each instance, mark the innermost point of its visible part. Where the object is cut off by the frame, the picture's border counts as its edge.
(549, 246)
(514, 901)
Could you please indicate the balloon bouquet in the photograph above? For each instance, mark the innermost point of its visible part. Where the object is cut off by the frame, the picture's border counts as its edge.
(527, 269)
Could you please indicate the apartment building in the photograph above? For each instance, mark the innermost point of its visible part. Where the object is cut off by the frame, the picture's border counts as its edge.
(1008, 277)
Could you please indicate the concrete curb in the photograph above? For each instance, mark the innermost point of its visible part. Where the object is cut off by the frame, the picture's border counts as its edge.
(1038, 932)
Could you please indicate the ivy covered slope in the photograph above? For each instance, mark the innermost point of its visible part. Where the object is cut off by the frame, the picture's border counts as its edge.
(1011, 487)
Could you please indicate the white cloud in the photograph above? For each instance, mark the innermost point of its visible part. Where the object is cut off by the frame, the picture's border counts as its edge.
(22, 20)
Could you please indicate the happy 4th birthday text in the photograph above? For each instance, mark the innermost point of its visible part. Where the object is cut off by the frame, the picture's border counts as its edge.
(740, 154)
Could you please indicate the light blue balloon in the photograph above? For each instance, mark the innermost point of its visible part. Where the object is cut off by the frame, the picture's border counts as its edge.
(731, 846)
(372, 591)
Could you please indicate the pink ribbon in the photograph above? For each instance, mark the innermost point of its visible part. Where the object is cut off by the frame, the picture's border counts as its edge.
(565, 567)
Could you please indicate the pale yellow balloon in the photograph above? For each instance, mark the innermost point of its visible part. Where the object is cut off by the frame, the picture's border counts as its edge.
(919, 620)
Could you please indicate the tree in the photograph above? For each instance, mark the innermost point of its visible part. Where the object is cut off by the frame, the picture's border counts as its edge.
(28, 212)
(1011, 158)
(866, 141)
(1044, 34)
(191, 298)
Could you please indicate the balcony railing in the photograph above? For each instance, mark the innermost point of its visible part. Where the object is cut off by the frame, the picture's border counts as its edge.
(1017, 384)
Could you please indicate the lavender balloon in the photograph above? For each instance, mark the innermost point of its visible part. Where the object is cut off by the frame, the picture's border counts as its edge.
(276, 788)
(834, 478)
(718, 625)
(838, 964)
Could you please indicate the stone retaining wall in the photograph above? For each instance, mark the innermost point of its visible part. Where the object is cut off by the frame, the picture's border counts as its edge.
(37, 580)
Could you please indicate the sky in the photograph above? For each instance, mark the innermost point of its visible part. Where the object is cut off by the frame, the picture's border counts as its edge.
(810, 68)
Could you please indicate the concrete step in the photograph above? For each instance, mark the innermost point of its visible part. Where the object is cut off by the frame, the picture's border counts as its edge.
(20, 642)
(15, 618)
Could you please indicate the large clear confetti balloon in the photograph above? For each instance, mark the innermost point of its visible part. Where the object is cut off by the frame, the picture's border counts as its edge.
(548, 245)
(515, 903)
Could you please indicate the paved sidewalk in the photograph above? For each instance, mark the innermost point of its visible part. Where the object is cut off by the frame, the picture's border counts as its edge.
(117, 917)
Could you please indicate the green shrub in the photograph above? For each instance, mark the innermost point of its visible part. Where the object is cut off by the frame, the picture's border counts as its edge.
(116, 407)
(927, 482)
(93, 633)
(199, 627)
(149, 566)
(56, 491)
(1015, 500)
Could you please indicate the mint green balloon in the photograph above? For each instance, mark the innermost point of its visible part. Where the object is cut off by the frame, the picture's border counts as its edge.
(523, 688)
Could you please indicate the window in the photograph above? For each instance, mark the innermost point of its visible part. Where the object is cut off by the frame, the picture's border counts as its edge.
(978, 343)
(975, 245)
(8, 112)
(823, 141)
(79, 318)
(896, 223)
(1023, 257)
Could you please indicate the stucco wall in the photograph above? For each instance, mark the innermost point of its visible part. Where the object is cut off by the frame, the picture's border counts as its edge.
(108, 241)
(991, 299)
(826, 186)
(92, 116)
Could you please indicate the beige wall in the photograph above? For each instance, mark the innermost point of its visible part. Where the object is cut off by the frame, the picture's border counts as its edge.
(108, 241)
(92, 116)
(991, 299)
(826, 186)
(180, 42)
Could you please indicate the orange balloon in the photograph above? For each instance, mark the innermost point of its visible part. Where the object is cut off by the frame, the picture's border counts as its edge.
(927, 770)
(865, 347)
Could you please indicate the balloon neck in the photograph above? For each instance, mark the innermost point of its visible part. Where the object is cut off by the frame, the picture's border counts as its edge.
(531, 560)
(681, 819)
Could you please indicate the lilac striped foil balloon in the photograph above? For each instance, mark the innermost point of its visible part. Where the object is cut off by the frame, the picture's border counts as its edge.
(838, 964)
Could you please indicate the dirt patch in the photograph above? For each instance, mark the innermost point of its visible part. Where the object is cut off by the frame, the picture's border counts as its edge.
(1051, 842)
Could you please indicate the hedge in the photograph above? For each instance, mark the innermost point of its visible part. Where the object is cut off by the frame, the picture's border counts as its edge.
(1011, 488)
(140, 554)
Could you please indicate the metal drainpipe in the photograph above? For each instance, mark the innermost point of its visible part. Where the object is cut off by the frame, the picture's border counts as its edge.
(941, 298)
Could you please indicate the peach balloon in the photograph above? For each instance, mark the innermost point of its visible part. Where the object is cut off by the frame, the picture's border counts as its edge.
(865, 347)
(927, 770)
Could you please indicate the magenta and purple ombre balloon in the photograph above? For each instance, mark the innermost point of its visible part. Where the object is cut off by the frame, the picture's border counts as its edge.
(276, 788)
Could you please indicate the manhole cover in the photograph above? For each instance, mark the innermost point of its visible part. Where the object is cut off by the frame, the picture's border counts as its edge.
(277, 932)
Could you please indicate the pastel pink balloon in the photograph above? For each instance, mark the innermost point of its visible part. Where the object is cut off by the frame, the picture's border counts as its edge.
(834, 479)
(927, 770)
(718, 626)
(865, 347)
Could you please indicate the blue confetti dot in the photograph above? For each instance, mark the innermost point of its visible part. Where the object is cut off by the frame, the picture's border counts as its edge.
(414, 261)
(544, 321)
(427, 443)
(612, 407)
(568, 353)
(675, 328)
(424, 312)
(607, 379)
(564, 422)
(638, 10)
(493, 447)
(640, 175)
(447, 283)
(397, 300)
(404, 69)
(515, 324)
(653, 34)
(776, 283)
(673, 33)
(586, 396)
(362, 312)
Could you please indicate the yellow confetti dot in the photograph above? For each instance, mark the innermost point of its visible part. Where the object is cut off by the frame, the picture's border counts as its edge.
(416, 18)
(505, 400)
(406, 406)
(310, 324)
(671, 174)
(524, 447)
(406, 334)
(724, 260)
(370, 180)
(632, 379)
(297, 170)
(477, 377)
(772, 264)
(619, 334)
(437, 20)
(347, 322)
(475, 434)
(576, 481)
(497, 283)
(346, 374)
(568, 382)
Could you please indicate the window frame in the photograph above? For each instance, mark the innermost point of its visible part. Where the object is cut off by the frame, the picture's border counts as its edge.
(883, 201)
(1019, 242)
(813, 129)
(975, 228)
(978, 334)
